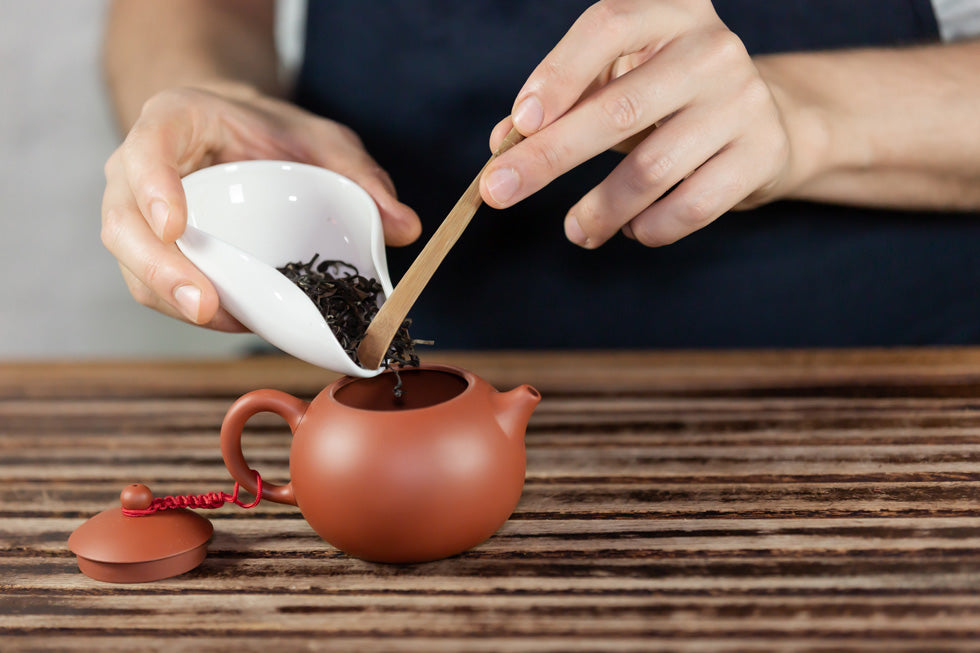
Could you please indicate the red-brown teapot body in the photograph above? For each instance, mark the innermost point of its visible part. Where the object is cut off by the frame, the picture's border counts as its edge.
(397, 479)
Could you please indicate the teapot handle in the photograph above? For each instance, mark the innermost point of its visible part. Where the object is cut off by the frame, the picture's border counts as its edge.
(283, 404)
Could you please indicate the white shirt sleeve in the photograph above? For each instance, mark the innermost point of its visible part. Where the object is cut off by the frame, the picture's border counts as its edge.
(958, 19)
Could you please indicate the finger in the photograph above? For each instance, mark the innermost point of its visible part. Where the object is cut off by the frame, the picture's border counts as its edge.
(624, 107)
(159, 266)
(151, 158)
(142, 294)
(605, 31)
(346, 156)
(222, 321)
(401, 224)
(717, 186)
(668, 155)
(499, 132)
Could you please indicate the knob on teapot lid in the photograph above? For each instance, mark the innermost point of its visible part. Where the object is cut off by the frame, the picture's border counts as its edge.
(117, 548)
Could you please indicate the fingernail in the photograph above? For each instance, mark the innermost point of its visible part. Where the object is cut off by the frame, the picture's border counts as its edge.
(189, 300)
(574, 233)
(528, 115)
(159, 212)
(502, 183)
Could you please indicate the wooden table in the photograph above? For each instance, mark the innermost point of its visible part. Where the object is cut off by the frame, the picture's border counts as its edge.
(805, 501)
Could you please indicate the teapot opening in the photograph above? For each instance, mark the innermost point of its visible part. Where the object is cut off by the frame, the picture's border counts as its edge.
(421, 388)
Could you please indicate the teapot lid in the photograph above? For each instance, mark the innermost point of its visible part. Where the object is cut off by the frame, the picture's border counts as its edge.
(117, 548)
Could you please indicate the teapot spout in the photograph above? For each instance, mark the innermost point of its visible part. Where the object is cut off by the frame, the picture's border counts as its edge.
(513, 409)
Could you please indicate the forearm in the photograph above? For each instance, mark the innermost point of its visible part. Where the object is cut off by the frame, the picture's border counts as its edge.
(885, 128)
(152, 45)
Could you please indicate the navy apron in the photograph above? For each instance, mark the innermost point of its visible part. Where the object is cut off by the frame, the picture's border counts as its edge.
(423, 81)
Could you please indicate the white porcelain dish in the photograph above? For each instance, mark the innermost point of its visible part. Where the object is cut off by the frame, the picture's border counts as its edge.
(246, 219)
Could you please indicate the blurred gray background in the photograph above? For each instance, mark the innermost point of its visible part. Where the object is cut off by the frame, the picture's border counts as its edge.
(61, 294)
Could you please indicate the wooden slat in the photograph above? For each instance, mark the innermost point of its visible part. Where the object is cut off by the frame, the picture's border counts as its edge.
(675, 501)
(938, 371)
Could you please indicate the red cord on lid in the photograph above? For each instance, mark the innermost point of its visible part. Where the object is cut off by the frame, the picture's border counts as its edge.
(209, 500)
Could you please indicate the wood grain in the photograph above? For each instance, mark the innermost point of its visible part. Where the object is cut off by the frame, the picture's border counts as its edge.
(675, 501)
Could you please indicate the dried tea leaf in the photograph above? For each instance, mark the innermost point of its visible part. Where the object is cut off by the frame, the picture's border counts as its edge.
(348, 302)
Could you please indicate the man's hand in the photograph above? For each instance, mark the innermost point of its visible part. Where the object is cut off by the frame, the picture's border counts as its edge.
(185, 129)
(667, 82)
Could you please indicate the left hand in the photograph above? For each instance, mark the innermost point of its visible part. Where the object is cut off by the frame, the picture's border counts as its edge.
(668, 82)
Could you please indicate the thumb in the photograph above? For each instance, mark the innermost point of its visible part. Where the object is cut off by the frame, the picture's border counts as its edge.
(342, 151)
(400, 223)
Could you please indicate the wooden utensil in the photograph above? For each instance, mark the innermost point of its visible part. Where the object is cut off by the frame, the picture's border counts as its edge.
(385, 324)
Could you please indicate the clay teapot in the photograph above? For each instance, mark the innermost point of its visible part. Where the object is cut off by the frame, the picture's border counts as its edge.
(385, 478)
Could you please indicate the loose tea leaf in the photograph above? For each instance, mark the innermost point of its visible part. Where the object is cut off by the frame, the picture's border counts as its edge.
(348, 302)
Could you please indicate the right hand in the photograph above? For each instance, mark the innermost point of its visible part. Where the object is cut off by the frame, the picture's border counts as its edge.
(182, 130)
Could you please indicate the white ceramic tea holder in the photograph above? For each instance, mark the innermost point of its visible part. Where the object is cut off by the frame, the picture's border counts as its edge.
(246, 219)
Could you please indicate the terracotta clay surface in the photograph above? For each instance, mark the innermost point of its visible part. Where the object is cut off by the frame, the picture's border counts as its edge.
(409, 479)
(115, 548)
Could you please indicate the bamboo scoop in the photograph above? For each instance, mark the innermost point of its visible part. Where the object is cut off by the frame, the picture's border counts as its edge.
(392, 313)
